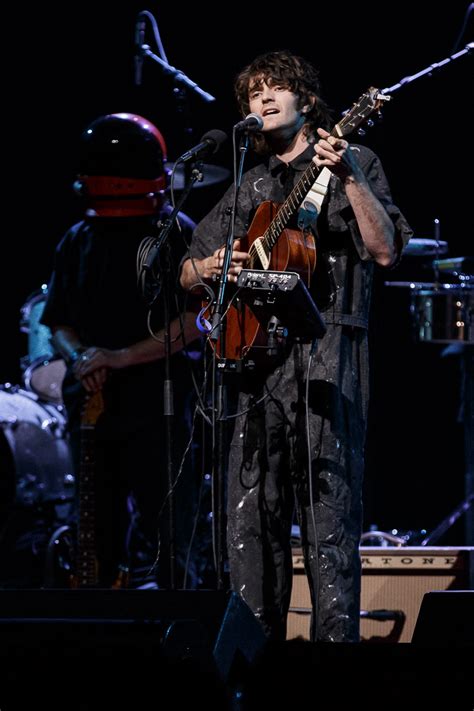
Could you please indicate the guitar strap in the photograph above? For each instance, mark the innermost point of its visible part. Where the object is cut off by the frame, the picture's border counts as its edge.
(311, 207)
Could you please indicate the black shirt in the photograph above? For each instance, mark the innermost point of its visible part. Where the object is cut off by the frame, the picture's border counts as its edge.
(341, 284)
(94, 290)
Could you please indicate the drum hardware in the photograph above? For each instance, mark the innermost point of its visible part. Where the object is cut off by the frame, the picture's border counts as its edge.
(448, 521)
(394, 538)
(382, 538)
(58, 565)
(412, 285)
(460, 267)
(421, 247)
(212, 175)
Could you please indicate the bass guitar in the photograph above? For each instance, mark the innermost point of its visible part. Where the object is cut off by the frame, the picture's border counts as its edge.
(87, 568)
(86, 573)
(71, 560)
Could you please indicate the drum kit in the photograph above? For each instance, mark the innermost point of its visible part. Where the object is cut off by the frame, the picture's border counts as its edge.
(36, 467)
(441, 311)
(36, 462)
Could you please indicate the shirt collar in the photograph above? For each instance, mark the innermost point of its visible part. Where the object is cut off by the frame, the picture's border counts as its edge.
(299, 163)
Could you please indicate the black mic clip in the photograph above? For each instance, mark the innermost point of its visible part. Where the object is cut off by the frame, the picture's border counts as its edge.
(277, 335)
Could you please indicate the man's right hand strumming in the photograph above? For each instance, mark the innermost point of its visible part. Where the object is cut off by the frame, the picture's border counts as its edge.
(209, 268)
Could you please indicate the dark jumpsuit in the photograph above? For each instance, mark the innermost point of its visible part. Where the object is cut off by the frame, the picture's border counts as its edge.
(268, 462)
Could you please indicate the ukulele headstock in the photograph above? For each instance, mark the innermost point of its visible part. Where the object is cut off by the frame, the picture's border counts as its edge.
(367, 104)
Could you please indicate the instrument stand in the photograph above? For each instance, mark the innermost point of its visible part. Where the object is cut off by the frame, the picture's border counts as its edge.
(467, 364)
(168, 413)
(446, 523)
(466, 358)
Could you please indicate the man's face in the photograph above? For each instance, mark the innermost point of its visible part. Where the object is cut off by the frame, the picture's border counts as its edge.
(277, 105)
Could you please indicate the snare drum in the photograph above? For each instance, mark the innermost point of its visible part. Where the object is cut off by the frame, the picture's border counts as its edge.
(443, 314)
(44, 369)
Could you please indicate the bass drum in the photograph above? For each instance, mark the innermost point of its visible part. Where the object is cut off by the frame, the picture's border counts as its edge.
(36, 464)
(44, 370)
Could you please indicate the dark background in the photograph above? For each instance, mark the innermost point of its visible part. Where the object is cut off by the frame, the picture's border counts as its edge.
(64, 69)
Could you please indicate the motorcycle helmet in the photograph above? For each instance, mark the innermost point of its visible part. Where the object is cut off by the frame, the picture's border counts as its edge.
(121, 166)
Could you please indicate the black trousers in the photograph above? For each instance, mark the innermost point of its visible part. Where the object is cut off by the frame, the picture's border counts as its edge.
(268, 479)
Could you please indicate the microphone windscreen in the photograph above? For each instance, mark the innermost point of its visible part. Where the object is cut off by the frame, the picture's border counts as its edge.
(256, 119)
(215, 137)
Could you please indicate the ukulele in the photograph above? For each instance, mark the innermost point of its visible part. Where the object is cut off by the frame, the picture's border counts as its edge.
(272, 245)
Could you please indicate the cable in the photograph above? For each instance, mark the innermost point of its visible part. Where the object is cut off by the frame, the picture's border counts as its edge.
(156, 33)
(170, 492)
(469, 9)
(316, 592)
(254, 404)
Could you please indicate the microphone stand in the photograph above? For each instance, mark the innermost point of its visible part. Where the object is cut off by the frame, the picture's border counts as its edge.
(185, 128)
(168, 395)
(218, 332)
(179, 76)
(428, 70)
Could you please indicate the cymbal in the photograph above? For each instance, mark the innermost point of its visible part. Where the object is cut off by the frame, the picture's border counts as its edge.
(420, 247)
(212, 174)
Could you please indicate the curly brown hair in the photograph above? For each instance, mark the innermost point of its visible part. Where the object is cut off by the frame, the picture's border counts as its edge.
(293, 72)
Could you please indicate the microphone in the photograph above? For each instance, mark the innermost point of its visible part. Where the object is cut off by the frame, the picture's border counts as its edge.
(210, 144)
(252, 122)
(139, 42)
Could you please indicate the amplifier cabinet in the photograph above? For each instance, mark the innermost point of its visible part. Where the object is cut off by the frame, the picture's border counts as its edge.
(394, 581)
